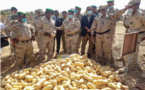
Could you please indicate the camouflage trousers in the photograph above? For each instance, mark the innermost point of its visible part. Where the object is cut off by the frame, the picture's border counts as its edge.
(71, 43)
(47, 42)
(103, 45)
(38, 40)
(24, 49)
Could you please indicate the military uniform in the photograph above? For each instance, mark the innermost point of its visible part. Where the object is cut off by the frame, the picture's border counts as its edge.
(111, 12)
(23, 45)
(63, 39)
(47, 42)
(102, 26)
(72, 36)
(79, 39)
(136, 23)
(10, 33)
(35, 23)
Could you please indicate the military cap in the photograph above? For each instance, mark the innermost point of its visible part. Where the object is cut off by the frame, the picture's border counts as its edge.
(94, 6)
(110, 1)
(78, 7)
(102, 7)
(20, 13)
(48, 10)
(132, 2)
(64, 11)
(13, 8)
(71, 11)
(38, 10)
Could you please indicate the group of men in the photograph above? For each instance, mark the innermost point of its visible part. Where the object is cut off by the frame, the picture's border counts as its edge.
(96, 27)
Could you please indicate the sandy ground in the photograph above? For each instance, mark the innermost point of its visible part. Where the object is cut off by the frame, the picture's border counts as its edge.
(134, 81)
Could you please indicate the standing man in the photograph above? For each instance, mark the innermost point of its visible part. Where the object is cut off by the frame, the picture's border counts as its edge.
(95, 13)
(64, 15)
(78, 15)
(86, 23)
(71, 27)
(58, 23)
(12, 16)
(8, 18)
(111, 11)
(35, 23)
(103, 27)
(135, 22)
(23, 40)
(47, 32)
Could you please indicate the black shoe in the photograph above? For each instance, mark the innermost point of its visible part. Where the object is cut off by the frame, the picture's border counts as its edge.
(89, 55)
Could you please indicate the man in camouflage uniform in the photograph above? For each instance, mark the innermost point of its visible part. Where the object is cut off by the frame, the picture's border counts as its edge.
(8, 19)
(47, 32)
(102, 25)
(111, 11)
(23, 40)
(71, 27)
(95, 13)
(64, 15)
(78, 15)
(35, 23)
(134, 21)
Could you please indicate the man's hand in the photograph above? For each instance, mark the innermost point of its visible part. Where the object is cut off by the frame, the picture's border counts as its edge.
(15, 40)
(88, 30)
(143, 38)
(33, 38)
(92, 37)
(127, 27)
(47, 34)
(68, 31)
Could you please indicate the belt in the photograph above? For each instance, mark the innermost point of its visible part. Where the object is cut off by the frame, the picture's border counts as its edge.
(24, 41)
(70, 35)
(103, 32)
(142, 32)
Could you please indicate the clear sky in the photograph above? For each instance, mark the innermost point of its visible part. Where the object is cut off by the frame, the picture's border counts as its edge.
(31, 5)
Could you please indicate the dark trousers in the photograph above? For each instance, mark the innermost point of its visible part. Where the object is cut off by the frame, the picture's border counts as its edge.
(58, 39)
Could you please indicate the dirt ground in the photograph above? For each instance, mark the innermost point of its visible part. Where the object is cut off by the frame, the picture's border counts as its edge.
(134, 80)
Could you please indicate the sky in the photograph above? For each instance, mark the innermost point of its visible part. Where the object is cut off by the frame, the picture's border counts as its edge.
(61, 5)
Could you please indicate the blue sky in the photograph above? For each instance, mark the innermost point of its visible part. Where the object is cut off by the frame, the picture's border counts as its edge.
(31, 5)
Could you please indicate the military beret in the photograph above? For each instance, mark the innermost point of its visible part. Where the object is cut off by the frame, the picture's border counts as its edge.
(52, 10)
(94, 6)
(13, 8)
(110, 1)
(24, 14)
(71, 11)
(64, 11)
(132, 2)
(78, 7)
(48, 10)
(38, 10)
(20, 13)
(102, 7)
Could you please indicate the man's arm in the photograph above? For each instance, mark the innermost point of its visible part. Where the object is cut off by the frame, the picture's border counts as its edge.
(119, 13)
(75, 29)
(60, 28)
(93, 27)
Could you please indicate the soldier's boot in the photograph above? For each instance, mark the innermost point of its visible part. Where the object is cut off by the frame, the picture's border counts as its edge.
(49, 58)
(100, 60)
(41, 58)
